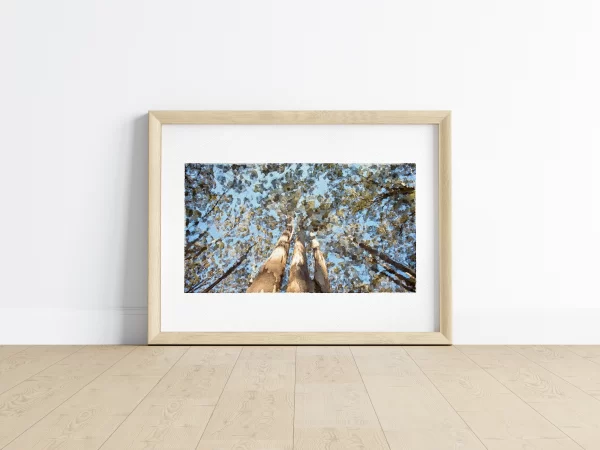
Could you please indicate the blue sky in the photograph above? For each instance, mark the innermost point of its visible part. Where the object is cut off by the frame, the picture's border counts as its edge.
(329, 238)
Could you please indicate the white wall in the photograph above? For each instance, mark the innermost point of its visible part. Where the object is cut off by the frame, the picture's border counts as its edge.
(521, 78)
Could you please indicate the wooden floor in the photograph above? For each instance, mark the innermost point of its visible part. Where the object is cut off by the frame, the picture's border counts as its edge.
(309, 398)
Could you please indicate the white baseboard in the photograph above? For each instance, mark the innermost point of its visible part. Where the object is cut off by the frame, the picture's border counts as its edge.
(55, 326)
(128, 325)
(527, 326)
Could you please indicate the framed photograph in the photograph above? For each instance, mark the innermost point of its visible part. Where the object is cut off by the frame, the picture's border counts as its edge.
(299, 227)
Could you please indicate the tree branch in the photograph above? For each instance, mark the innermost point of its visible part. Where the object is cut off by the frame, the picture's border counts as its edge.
(408, 284)
(214, 241)
(190, 244)
(216, 203)
(229, 271)
(392, 279)
(384, 257)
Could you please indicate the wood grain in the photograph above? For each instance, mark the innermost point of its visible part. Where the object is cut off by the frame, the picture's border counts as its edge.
(256, 408)
(88, 418)
(412, 412)
(21, 365)
(8, 350)
(445, 225)
(589, 352)
(497, 416)
(578, 371)
(300, 117)
(333, 409)
(574, 412)
(441, 118)
(277, 338)
(31, 400)
(322, 398)
(175, 413)
(154, 225)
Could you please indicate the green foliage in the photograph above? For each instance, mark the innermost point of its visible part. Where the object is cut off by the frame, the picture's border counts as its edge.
(230, 207)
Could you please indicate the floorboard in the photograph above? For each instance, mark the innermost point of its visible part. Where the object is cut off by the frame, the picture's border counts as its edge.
(25, 404)
(333, 409)
(24, 364)
(304, 398)
(497, 416)
(580, 372)
(574, 412)
(88, 418)
(8, 350)
(589, 352)
(412, 412)
(174, 414)
(256, 408)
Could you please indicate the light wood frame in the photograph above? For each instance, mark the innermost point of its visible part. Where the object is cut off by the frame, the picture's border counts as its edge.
(156, 119)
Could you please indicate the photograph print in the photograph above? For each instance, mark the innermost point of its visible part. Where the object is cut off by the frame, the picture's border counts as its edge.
(300, 228)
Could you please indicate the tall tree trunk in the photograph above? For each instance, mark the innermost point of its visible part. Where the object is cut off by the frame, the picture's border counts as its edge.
(270, 274)
(299, 280)
(407, 270)
(321, 278)
(229, 271)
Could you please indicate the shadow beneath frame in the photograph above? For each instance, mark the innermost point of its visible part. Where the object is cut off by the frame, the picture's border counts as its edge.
(134, 293)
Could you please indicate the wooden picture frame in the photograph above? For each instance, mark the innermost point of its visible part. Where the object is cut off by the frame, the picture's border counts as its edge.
(156, 119)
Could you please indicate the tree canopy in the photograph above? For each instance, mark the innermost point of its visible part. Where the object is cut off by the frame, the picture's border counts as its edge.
(329, 227)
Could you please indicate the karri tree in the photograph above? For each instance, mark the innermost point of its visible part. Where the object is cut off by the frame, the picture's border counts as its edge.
(248, 227)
